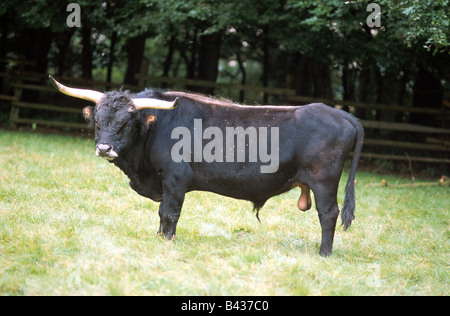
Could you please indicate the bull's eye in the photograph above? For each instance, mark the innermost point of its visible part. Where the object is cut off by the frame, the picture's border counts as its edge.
(125, 126)
(97, 123)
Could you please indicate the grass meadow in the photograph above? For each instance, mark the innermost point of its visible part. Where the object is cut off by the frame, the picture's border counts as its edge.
(70, 225)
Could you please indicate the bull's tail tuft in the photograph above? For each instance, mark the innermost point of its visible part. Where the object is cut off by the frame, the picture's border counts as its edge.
(256, 207)
(348, 210)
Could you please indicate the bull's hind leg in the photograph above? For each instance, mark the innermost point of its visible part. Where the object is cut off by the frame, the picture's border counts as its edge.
(327, 208)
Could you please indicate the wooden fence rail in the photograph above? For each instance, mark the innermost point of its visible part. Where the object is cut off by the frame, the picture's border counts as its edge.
(437, 140)
(297, 99)
(16, 100)
(403, 127)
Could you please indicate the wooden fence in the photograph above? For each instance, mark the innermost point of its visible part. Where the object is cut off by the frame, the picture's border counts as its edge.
(435, 149)
(437, 139)
(21, 81)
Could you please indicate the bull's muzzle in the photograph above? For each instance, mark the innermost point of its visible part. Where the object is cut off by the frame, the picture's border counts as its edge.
(106, 151)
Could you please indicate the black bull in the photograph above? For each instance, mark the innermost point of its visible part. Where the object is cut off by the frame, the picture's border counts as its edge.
(311, 144)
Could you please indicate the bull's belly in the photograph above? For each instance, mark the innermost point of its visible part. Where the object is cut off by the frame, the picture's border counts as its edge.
(253, 188)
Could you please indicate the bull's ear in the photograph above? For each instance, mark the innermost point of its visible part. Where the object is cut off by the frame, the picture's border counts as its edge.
(150, 119)
(88, 113)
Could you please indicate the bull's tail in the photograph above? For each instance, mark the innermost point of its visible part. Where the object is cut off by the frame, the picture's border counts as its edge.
(348, 210)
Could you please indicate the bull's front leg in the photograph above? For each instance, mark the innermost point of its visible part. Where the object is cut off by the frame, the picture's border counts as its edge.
(168, 224)
(169, 213)
(170, 208)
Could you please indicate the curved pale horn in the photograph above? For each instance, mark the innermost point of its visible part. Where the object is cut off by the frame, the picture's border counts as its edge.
(85, 94)
(147, 103)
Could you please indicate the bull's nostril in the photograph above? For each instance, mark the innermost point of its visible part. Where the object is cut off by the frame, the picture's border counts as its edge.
(106, 151)
(103, 148)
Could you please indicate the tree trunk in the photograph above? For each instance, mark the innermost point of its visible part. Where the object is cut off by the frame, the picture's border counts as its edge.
(322, 80)
(380, 93)
(364, 83)
(244, 76)
(428, 93)
(37, 45)
(3, 47)
(401, 95)
(112, 48)
(348, 82)
(266, 62)
(208, 62)
(135, 51)
(169, 57)
(63, 43)
(86, 53)
(168, 61)
(191, 61)
(303, 74)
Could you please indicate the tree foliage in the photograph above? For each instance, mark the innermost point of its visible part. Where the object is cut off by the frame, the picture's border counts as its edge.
(308, 40)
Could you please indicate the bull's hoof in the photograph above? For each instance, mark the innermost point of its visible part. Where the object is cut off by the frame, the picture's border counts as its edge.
(168, 236)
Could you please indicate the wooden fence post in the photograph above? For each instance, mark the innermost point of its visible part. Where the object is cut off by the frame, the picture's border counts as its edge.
(144, 70)
(14, 115)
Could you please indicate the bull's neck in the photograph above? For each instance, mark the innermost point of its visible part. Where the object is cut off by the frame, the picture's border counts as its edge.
(131, 160)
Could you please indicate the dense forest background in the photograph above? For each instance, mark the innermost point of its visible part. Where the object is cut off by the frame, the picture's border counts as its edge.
(323, 49)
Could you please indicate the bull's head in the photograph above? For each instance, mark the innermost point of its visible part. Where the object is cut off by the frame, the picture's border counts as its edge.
(116, 117)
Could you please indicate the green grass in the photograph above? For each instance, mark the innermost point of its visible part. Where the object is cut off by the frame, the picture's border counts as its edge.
(70, 225)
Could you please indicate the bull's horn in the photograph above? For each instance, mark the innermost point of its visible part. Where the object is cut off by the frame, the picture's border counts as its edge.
(85, 94)
(147, 103)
